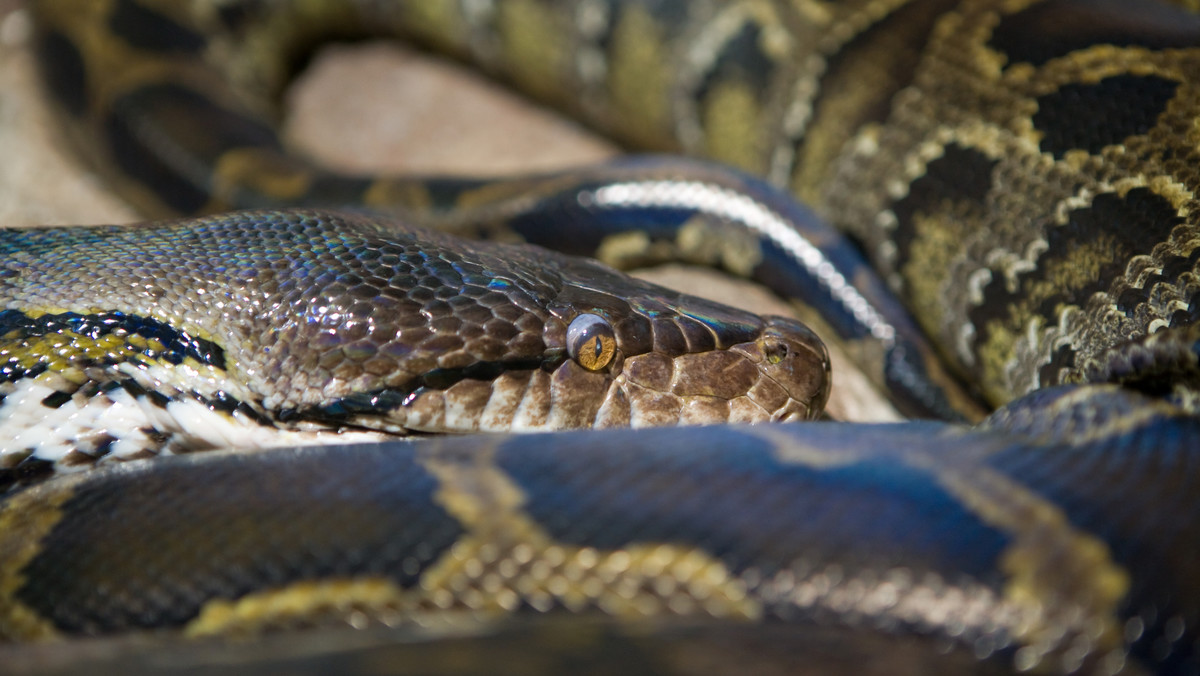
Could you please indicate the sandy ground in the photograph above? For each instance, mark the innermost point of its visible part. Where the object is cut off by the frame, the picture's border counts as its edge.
(364, 107)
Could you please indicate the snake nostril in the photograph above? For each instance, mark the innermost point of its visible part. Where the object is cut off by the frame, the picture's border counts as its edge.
(775, 350)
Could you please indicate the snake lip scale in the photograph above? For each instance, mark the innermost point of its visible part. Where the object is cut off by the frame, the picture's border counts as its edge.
(1002, 231)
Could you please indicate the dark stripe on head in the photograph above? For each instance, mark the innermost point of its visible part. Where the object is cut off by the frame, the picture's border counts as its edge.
(1049, 30)
(380, 402)
(149, 551)
(1093, 116)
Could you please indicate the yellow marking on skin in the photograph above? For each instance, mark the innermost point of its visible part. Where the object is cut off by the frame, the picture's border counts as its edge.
(733, 125)
(26, 518)
(698, 242)
(736, 250)
(791, 450)
(1065, 580)
(627, 250)
(261, 171)
(440, 22)
(995, 355)
(515, 191)
(1082, 431)
(937, 242)
(389, 193)
(301, 603)
(840, 108)
(1061, 276)
(639, 78)
(506, 558)
(36, 312)
(113, 67)
(535, 46)
(61, 351)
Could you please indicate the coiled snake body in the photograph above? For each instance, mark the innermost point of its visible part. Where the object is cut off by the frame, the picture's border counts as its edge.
(1023, 174)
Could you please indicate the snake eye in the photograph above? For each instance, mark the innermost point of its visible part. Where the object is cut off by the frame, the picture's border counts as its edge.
(591, 342)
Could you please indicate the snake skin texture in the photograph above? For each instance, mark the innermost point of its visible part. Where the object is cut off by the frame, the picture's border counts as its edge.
(959, 550)
(1021, 173)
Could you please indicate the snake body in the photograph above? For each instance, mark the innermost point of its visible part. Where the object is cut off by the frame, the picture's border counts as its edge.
(1022, 174)
(958, 550)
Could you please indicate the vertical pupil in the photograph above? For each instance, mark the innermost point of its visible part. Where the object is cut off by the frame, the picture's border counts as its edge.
(599, 347)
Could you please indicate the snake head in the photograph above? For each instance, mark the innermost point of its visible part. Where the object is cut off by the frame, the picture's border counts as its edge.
(262, 328)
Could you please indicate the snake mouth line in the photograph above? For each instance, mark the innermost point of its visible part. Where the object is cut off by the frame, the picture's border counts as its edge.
(380, 401)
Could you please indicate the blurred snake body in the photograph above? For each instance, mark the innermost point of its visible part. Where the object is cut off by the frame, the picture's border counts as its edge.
(1023, 175)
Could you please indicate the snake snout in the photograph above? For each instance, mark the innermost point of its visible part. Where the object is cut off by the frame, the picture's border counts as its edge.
(789, 354)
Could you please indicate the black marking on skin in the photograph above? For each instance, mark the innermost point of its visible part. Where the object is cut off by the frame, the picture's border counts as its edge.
(444, 193)
(235, 16)
(220, 401)
(1052, 29)
(15, 325)
(29, 470)
(56, 399)
(102, 445)
(147, 29)
(611, 9)
(1133, 222)
(748, 509)
(64, 71)
(1173, 268)
(1093, 116)
(960, 175)
(743, 61)
(159, 439)
(324, 189)
(167, 137)
(154, 397)
(12, 371)
(223, 401)
(1064, 358)
(253, 523)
